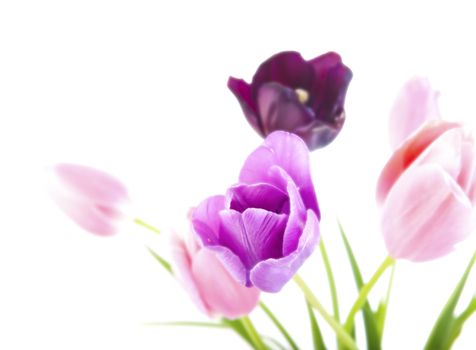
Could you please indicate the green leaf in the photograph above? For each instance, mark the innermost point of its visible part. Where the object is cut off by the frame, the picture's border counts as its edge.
(381, 312)
(448, 327)
(237, 326)
(318, 341)
(165, 264)
(371, 331)
(278, 325)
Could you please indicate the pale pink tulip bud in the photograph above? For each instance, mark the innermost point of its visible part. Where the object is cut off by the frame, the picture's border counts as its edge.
(416, 103)
(209, 284)
(427, 192)
(91, 198)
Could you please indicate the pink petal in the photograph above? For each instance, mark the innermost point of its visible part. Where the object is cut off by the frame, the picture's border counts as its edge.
(415, 104)
(183, 272)
(222, 294)
(93, 199)
(406, 154)
(425, 214)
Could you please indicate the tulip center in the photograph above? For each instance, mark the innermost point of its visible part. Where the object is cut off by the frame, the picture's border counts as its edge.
(302, 95)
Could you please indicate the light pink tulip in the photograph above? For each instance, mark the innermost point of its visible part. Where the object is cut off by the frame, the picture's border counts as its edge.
(415, 104)
(427, 190)
(93, 199)
(208, 283)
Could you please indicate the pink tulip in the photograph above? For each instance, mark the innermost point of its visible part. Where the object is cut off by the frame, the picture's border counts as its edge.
(91, 198)
(415, 104)
(208, 283)
(428, 190)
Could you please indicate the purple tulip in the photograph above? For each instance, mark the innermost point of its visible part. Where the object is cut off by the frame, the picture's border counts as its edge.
(291, 94)
(267, 225)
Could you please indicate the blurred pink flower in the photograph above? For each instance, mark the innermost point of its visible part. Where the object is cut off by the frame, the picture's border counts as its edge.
(208, 283)
(428, 188)
(91, 198)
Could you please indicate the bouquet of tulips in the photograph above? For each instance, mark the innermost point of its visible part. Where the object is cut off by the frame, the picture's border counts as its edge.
(255, 237)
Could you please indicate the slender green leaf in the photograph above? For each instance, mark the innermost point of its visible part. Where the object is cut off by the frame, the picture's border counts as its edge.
(237, 326)
(317, 339)
(146, 225)
(448, 327)
(330, 278)
(371, 331)
(165, 264)
(253, 334)
(271, 342)
(381, 312)
(279, 326)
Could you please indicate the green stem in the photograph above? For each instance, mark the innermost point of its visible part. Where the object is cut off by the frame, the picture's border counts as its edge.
(254, 336)
(364, 292)
(381, 321)
(278, 325)
(146, 225)
(341, 333)
(330, 278)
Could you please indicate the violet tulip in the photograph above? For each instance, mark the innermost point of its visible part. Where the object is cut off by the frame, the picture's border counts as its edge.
(428, 187)
(209, 284)
(291, 94)
(91, 198)
(266, 226)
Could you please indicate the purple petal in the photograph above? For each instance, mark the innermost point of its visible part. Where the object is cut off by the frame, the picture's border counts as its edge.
(264, 196)
(232, 263)
(287, 68)
(254, 235)
(272, 274)
(206, 219)
(331, 80)
(296, 221)
(318, 134)
(242, 91)
(289, 152)
(280, 108)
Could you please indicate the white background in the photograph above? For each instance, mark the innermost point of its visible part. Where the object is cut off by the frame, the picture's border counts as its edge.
(138, 88)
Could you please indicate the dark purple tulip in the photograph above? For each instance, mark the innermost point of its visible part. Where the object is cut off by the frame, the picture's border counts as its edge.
(291, 94)
(267, 225)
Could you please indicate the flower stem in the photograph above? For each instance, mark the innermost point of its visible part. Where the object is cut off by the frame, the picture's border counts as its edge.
(365, 290)
(146, 225)
(254, 336)
(278, 325)
(330, 278)
(341, 333)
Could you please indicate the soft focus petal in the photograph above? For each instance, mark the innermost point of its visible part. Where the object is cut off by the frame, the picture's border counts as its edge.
(183, 272)
(206, 219)
(329, 88)
(242, 91)
(416, 103)
(425, 214)
(467, 176)
(286, 68)
(280, 108)
(289, 152)
(222, 294)
(93, 199)
(232, 263)
(318, 134)
(406, 154)
(272, 274)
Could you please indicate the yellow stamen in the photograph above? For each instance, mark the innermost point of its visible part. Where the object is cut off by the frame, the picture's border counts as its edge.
(302, 95)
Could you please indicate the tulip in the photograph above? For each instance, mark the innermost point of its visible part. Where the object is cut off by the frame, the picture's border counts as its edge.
(266, 226)
(428, 187)
(208, 283)
(91, 198)
(291, 94)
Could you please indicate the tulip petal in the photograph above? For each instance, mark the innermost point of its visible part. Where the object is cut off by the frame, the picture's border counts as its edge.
(296, 221)
(261, 195)
(319, 134)
(286, 68)
(206, 219)
(425, 214)
(467, 175)
(407, 153)
(253, 235)
(222, 294)
(242, 91)
(289, 152)
(280, 108)
(272, 274)
(183, 272)
(329, 88)
(416, 103)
